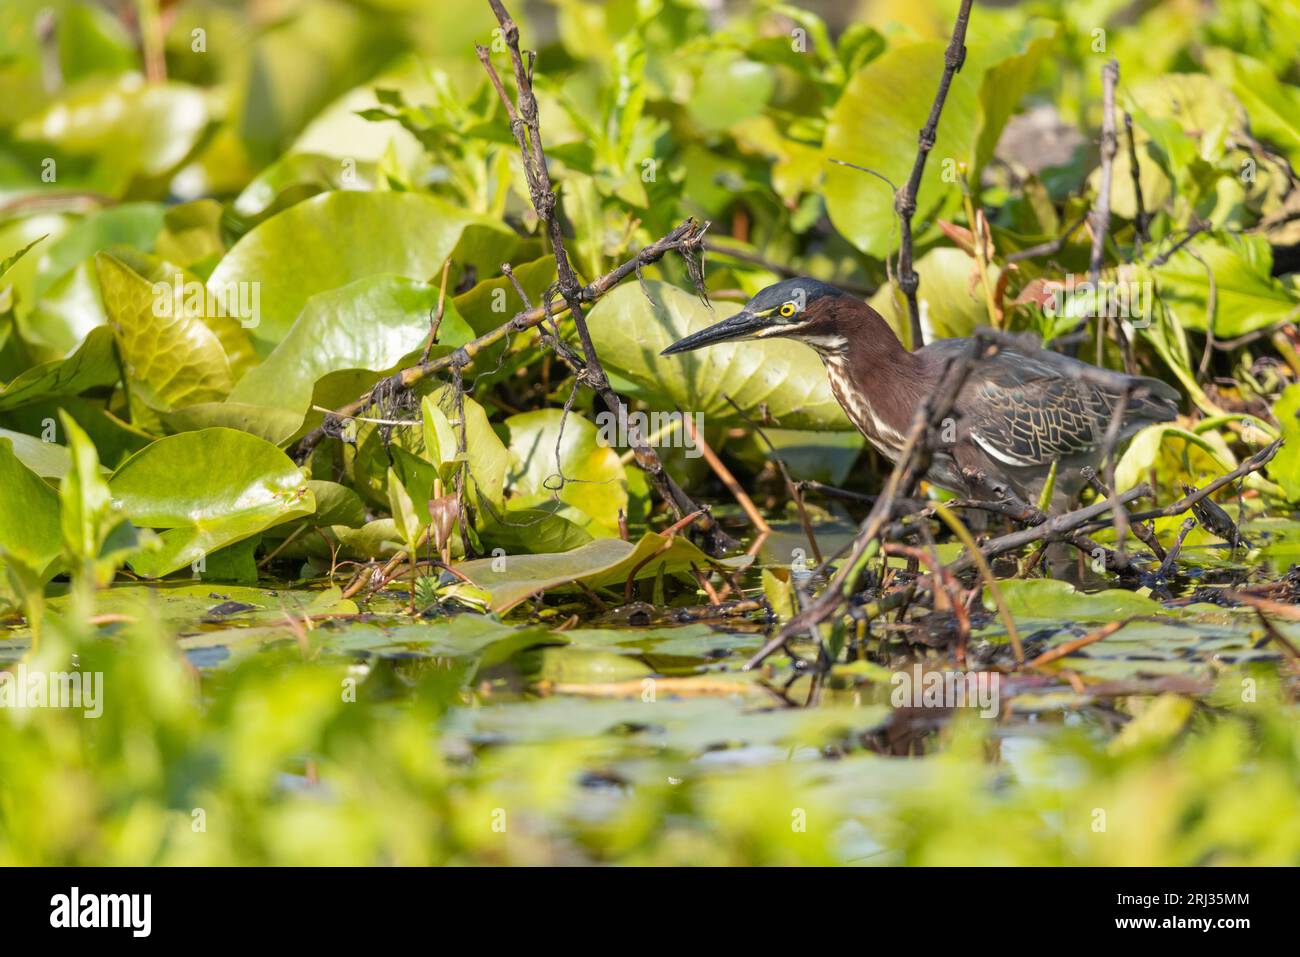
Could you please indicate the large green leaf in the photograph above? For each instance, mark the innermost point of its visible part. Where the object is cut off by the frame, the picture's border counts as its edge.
(94, 364)
(49, 460)
(1274, 106)
(629, 332)
(189, 297)
(207, 489)
(172, 358)
(588, 479)
(1053, 600)
(29, 512)
(132, 130)
(883, 107)
(948, 305)
(1285, 467)
(334, 239)
(1247, 297)
(369, 324)
(874, 125)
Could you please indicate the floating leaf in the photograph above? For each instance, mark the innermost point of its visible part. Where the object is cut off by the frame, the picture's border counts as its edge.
(207, 489)
(1048, 598)
(606, 561)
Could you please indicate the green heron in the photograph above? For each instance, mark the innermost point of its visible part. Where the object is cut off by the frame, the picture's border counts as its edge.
(1018, 412)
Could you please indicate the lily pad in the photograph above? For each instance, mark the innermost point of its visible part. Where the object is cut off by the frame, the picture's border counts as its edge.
(207, 489)
(1048, 598)
(608, 561)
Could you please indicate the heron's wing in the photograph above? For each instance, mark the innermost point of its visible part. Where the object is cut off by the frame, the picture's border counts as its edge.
(1027, 414)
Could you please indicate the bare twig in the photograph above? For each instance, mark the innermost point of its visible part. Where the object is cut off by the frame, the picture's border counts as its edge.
(526, 127)
(1070, 647)
(790, 484)
(724, 474)
(1142, 219)
(1119, 515)
(1101, 211)
(831, 491)
(1167, 564)
(905, 200)
(685, 239)
(1057, 528)
(437, 316)
(1141, 530)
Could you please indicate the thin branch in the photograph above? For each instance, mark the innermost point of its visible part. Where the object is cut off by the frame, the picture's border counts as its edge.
(724, 475)
(1101, 211)
(790, 484)
(684, 239)
(436, 322)
(1252, 464)
(1142, 219)
(526, 127)
(1049, 248)
(905, 200)
(1057, 528)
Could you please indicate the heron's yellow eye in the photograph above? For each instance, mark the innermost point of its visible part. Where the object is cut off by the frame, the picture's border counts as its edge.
(788, 309)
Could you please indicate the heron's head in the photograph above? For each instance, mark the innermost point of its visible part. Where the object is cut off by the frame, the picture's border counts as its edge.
(792, 308)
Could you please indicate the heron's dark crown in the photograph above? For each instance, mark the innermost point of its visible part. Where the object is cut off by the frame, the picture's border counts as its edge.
(801, 289)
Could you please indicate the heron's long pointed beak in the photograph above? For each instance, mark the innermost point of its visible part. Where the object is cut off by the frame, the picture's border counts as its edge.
(742, 325)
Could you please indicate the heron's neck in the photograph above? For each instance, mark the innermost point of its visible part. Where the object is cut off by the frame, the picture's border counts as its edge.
(877, 382)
